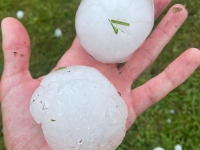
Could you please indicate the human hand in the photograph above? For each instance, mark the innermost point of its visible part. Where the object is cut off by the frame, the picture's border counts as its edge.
(17, 85)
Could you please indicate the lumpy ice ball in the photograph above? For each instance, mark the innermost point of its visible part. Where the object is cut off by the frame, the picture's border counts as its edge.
(111, 30)
(79, 109)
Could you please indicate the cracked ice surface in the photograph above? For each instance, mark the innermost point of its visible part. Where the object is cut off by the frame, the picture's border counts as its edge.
(79, 109)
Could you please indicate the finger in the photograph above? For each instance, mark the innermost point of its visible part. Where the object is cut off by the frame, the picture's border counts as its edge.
(160, 6)
(152, 47)
(16, 47)
(158, 87)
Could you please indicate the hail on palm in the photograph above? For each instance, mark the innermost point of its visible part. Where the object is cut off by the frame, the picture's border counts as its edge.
(98, 22)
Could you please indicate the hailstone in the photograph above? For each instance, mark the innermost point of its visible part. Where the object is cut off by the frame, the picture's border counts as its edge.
(178, 147)
(58, 32)
(20, 14)
(158, 148)
(111, 30)
(79, 109)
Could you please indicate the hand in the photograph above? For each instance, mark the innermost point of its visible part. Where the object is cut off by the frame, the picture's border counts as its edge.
(17, 85)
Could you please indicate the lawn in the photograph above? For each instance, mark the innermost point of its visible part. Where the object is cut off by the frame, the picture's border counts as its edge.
(174, 120)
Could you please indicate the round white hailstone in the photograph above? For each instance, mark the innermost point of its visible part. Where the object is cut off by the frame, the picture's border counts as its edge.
(20, 14)
(178, 147)
(79, 109)
(111, 30)
(58, 32)
(172, 111)
(169, 120)
(158, 148)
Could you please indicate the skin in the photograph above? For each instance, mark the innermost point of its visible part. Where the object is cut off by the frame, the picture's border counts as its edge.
(17, 85)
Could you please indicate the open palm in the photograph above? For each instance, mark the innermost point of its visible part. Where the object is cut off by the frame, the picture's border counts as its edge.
(17, 85)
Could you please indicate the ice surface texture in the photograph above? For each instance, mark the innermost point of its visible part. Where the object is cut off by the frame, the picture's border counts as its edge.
(80, 110)
(96, 33)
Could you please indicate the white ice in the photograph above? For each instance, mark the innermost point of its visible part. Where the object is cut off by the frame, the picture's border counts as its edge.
(79, 109)
(58, 32)
(20, 14)
(178, 147)
(158, 148)
(169, 120)
(172, 111)
(96, 33)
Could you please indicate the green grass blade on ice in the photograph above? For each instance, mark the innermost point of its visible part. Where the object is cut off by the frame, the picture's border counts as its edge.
(117, 22)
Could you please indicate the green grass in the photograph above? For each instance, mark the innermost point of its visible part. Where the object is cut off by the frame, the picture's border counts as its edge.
(151, 128)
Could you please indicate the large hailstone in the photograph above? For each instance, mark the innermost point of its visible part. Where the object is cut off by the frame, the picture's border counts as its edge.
(111, 30)
(79, 109)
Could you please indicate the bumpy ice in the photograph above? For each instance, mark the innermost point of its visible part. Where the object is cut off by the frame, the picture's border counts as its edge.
(78, 108)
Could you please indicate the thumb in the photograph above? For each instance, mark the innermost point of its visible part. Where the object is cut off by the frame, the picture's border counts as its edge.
(16, 47)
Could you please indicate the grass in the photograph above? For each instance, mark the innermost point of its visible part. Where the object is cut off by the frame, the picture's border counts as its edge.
(151, 128)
